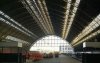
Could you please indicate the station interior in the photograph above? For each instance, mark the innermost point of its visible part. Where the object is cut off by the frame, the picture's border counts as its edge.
(49, 31)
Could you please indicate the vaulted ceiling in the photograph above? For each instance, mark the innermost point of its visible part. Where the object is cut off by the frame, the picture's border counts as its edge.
(74, 20)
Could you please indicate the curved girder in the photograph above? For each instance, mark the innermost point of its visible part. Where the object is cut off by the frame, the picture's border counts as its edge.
(44, 17)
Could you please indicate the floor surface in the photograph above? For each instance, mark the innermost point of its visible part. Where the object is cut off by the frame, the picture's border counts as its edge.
(61, 59)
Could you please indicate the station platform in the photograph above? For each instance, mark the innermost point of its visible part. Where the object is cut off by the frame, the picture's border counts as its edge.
(61, 59)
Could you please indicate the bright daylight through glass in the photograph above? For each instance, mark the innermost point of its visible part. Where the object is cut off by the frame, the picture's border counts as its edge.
(52, 43)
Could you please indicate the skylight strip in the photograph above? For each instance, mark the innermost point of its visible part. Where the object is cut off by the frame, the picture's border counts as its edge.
(88, 37)
(76, 4)
(16, 39)
(12, 20)
(43, 5)
(92, 26)
(42, 13)
(66, 19)
(7, 22)
(33, 15)
(35, 12)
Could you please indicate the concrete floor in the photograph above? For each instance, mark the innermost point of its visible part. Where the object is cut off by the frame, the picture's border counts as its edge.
(61, 59)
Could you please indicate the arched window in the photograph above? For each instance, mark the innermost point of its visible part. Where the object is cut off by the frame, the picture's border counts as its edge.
(51, 43)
